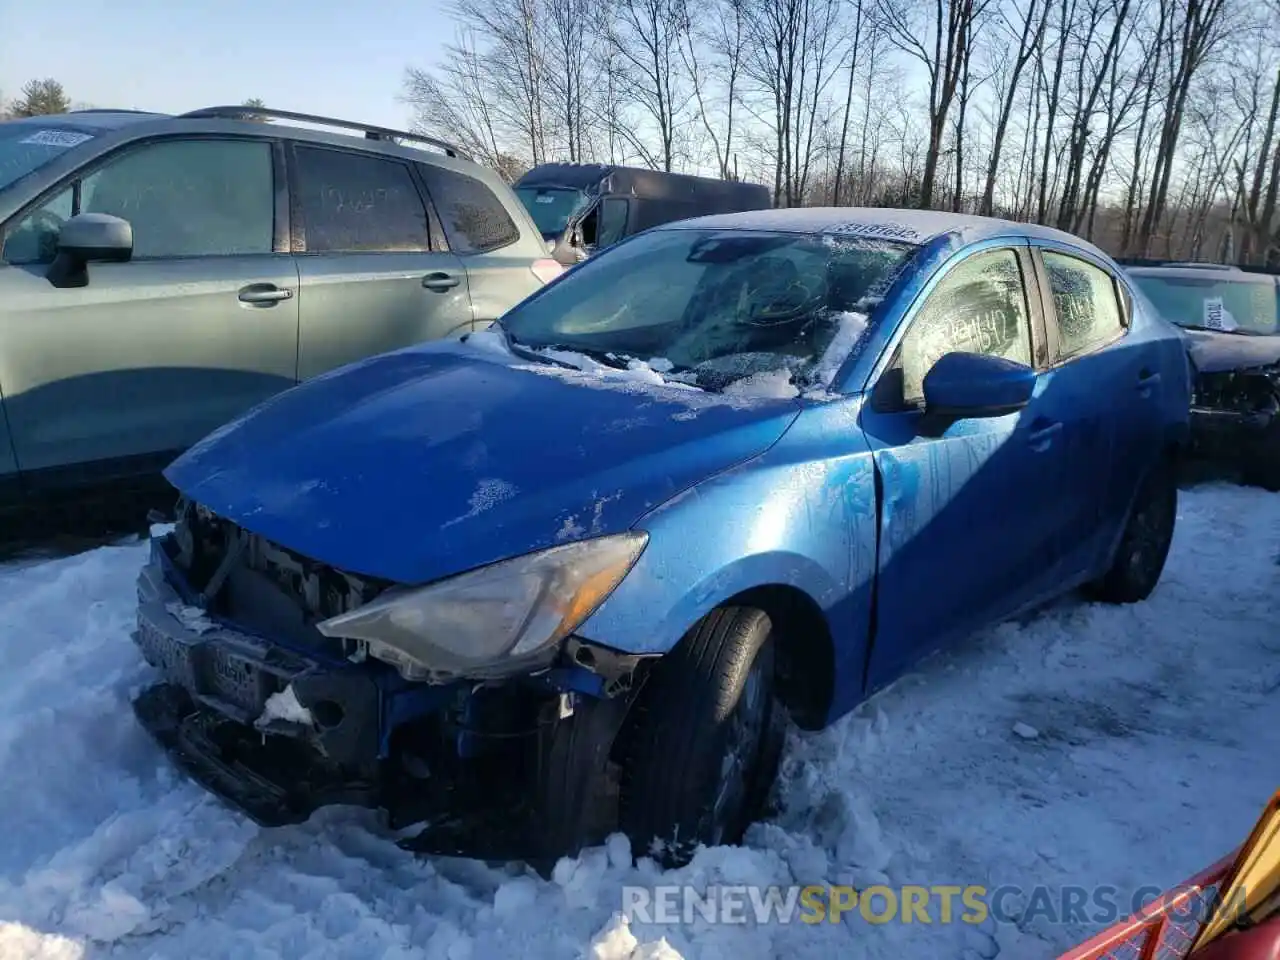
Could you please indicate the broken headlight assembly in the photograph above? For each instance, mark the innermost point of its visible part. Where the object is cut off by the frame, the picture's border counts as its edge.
(494, 620)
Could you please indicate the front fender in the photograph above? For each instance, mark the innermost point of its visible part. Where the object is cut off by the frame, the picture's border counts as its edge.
(801, 515)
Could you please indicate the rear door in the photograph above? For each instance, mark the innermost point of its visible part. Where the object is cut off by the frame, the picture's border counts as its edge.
(151, 355)
(1106, 393)
(480, 230)
(375, 271)
(965, 536)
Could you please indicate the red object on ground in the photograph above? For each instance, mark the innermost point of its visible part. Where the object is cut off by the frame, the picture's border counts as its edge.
(1260, 943)
(1166, 928)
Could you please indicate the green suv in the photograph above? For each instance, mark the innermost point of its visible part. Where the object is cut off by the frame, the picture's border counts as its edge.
(160, 275)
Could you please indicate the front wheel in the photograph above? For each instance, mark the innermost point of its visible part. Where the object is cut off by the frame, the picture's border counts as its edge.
(707, 735)
(1144, 545)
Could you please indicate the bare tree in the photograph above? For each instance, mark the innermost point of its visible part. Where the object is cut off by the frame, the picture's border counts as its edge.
(1029, 28)
(647, 36)
(459, 102)
(949, 31)
(724, 35)
(1198, 26)
(848, 100)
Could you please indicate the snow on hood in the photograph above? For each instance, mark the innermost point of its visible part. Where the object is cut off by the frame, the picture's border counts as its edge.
(429, 461)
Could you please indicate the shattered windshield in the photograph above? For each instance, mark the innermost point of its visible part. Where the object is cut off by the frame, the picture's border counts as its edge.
(1232, 305)
(711, 307)
(25, 148)
(552, 207)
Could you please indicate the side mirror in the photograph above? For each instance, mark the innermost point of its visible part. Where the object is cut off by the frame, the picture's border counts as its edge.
(87, 238)
(961, 386)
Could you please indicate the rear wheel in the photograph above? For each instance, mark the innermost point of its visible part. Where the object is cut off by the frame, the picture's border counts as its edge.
(1144, 545)
(707, 735)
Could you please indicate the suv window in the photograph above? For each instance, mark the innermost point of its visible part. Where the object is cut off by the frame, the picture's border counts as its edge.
(474, 219)
(183, 198)
(980, 306)
(356, 203)
(1085, 302)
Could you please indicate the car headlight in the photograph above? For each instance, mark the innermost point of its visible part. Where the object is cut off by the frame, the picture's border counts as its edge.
(494, 620)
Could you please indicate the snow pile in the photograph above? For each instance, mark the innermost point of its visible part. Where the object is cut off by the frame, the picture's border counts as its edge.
(1141, 715)
(771, 383)
(285, 707)
(490, 341)
(848, 332)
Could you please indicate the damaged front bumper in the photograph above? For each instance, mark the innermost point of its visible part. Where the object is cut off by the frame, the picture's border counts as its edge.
(458, 757)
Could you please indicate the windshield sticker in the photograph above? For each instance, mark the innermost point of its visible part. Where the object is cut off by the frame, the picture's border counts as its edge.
(883, 231)
(544, 198)
(57, 138)
(1217, 316)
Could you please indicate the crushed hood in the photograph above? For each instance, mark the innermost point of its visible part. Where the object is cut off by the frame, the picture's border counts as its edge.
(425, 462)
(1217, 352)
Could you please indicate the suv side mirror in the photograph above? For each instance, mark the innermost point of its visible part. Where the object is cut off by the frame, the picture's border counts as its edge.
(966, 385)
(86, 238)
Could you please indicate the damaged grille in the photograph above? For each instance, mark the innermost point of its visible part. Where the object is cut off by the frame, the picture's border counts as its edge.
(265, 586)
(1242, 391)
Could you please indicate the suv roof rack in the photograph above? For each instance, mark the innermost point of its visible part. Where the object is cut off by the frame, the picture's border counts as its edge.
(370, 132)
(149, 113)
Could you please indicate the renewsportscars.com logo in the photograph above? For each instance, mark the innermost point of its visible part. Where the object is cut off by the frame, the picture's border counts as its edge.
(940, 903)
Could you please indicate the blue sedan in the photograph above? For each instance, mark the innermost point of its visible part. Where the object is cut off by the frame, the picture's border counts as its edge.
(573, 574)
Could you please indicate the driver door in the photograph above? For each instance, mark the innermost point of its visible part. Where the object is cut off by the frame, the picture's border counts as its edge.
(963, 527)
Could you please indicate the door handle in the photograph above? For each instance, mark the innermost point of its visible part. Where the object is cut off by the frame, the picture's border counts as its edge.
(1146, 380)
(1040, 437)
(264, 293)
(440, 282)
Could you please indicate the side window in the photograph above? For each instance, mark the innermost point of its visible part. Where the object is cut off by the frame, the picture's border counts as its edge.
(1085, 302)
(34, 238)
(474, 219)
(189, 198)
(613, 221)
(980, 306)
(355, 203)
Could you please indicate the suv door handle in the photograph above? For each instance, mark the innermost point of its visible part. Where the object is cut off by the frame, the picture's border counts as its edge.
(1147, 380)
(264, 293)
(1040, 437)
(440, 282)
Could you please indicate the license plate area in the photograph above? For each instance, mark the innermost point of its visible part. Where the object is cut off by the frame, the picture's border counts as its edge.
(229, 672)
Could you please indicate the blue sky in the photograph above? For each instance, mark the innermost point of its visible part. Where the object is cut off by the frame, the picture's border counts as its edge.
(334, 57)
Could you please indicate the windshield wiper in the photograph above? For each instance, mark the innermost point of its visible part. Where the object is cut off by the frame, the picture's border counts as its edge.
(520, 349)
(1199, 326)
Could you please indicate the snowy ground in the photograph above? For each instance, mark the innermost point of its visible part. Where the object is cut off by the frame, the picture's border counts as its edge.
(1157, 742)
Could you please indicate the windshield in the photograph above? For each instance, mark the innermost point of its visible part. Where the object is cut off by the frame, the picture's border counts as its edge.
(552, 207)
(716, 306)
(25, 148)
(1229, 304)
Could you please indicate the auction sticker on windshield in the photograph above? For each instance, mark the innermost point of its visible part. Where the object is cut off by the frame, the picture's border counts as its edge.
(57, 138)
(1217, 316)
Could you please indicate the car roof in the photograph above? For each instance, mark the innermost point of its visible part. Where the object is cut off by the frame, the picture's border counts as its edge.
(912, 226)
(90, 119)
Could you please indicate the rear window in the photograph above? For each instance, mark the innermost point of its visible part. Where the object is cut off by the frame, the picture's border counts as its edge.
(474, 219)
(1246, 305)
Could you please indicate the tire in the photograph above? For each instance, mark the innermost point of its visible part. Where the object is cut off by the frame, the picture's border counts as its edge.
(705, 740)
(1144, 546)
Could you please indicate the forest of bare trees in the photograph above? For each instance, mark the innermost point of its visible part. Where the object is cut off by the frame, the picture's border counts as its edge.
(1151, 127)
